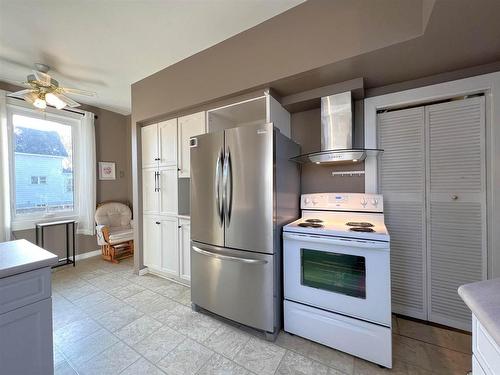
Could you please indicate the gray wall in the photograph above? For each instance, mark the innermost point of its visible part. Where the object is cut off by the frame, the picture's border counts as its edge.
(113, 141)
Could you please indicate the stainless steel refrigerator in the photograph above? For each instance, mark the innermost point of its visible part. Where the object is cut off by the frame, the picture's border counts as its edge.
(244, 189)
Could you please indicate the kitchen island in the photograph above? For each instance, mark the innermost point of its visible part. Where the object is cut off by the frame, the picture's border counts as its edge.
(25, 309)
(483, 299)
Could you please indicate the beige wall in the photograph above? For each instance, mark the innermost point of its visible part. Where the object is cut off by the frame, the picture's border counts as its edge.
(113, 141)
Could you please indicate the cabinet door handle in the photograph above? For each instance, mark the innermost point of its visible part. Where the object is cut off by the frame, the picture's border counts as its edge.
(157, 222)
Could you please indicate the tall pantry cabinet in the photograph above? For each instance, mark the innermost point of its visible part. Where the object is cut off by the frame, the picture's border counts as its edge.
(165, 158)
(433, 177)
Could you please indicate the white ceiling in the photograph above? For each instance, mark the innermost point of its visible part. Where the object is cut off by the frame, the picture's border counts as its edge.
(105, 46)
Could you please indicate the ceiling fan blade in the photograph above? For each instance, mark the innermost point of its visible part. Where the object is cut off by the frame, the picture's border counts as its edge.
(77, 91)
(20, 94)
(69, 102)
(43, 78)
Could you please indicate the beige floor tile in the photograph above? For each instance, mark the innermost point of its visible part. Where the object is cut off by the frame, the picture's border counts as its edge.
(126, 291)
(166, 311)
(331, 357)
(448, 362)
(187, 358)
(218, 365)
(293, 342)
(260, 356)
(74, 331)
(108, 282)
(449, 339)
(58, 357)
(116, 319)
(138, 330)
(411, 351)
(91, 299)
(192, 324)
(142, 300)
(142, 367)
(227, 340)
(362, 367)
(112, 361)
(159, 344)
(64, 369)
(81, 290)
(151, 281)
(294, 363)
(82, 350)
(64, 316)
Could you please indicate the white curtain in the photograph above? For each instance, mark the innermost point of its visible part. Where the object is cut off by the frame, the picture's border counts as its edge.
(5, 230)
(86, 189)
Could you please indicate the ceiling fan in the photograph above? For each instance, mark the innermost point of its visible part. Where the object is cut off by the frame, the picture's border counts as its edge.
(42, 89)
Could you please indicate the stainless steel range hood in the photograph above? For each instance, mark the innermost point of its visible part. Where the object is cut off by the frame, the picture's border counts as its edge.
(337, 134)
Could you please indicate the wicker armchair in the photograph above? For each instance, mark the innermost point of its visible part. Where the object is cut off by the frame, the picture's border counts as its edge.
(115, 233)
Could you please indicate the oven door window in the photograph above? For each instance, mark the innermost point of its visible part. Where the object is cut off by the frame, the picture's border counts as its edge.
(339, 273)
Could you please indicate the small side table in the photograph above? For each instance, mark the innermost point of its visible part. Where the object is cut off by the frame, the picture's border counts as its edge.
(67, 223)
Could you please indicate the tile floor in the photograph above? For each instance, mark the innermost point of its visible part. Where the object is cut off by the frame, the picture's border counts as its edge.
(109, 321)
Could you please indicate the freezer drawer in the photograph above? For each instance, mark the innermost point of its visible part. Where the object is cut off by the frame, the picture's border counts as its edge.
(237, 285)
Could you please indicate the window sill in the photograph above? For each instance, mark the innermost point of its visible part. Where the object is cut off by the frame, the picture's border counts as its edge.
(30, 223)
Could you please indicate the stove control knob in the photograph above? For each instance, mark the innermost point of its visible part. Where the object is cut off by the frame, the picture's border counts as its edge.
(375, 201)
(315, 201)
(364, 202)
(307, 200)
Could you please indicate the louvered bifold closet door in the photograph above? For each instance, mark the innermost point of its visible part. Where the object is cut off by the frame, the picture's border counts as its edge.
(402, 182)
(456, 206)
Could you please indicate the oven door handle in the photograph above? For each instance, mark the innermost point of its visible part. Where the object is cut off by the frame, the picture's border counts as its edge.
(337, 241)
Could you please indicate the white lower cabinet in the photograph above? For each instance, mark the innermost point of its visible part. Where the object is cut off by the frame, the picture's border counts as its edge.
(485, 351)
(185, 249)
(169, 248)
(152, 241)
(166, 249)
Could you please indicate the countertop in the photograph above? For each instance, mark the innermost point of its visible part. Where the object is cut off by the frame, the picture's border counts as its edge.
(23, 256)
(483, 298)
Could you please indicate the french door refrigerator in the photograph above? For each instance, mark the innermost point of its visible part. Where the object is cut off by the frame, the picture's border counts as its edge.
(244, 189)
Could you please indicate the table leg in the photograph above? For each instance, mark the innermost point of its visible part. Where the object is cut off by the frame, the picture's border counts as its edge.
(74, 235)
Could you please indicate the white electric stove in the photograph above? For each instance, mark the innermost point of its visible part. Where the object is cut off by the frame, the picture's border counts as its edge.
(337, 275)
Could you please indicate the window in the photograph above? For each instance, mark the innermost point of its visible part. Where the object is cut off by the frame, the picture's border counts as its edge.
(42, 154)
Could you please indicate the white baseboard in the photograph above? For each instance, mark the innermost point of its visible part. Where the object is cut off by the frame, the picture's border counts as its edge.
(88, 254)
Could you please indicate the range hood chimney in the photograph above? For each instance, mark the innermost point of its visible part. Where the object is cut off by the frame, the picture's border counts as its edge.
(337, 133)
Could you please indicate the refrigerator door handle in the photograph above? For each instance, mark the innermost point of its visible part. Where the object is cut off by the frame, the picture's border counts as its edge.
(156, 181)
(227, 182)
(228, 257)
(218, 200)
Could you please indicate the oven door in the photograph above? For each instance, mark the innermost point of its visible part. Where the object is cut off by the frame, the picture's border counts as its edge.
(343, 275)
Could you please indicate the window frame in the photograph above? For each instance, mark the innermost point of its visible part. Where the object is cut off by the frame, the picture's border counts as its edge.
(16, 107)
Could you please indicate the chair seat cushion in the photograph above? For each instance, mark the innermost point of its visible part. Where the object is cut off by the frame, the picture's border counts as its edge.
(120, 235)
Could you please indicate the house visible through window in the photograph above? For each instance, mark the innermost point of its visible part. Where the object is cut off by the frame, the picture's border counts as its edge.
(43, 166)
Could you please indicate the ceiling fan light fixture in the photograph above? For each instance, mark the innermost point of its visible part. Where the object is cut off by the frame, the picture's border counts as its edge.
(40, 102)
(55, 101)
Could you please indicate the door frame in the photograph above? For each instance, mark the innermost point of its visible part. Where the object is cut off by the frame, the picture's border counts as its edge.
(489, 84)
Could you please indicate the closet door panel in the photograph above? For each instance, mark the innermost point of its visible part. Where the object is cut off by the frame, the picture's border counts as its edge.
(402, 182)
(456, 206)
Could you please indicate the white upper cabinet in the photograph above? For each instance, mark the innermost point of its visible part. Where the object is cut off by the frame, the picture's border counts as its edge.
(189, 126)
(167, 187)
(167, 143)
(150, 194)
(149, 138)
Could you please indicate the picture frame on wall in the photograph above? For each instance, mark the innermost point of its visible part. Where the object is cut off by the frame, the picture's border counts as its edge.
(107, 170)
